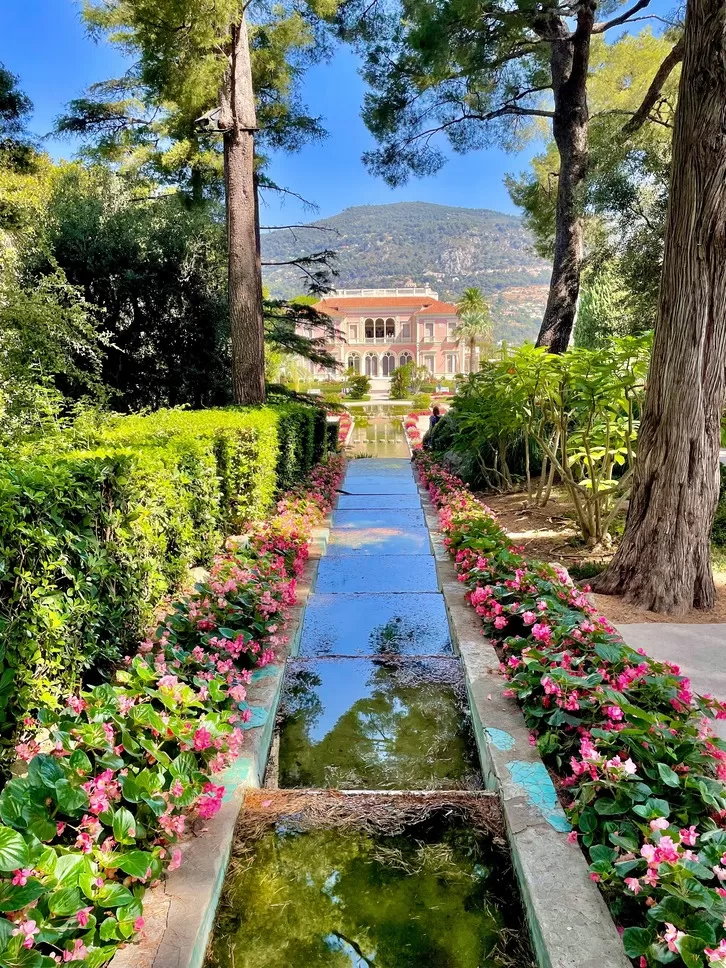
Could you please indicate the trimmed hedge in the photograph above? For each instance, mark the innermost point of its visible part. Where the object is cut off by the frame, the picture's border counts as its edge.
(91, 541)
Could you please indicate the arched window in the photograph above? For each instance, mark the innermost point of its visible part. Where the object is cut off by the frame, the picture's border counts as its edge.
(354, 362)
(405, 358)
(371, 364)
(388, 364)
(380, 329)
(391, 328)
(369, 328)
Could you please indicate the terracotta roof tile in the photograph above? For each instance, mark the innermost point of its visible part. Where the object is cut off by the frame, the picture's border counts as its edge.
(338, 306)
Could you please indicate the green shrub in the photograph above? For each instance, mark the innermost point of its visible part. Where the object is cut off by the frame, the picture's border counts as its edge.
(358, 386)
(92, 540)
(421, 401)
(718, 534)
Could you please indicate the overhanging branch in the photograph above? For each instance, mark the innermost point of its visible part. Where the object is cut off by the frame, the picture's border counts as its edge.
(653, 93)
(600, 28)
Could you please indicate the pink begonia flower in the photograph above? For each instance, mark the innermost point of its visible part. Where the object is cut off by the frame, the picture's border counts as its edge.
(614, 712)
(138, 924)
(572, 836)
(176, 859)
(672, 936)
(76, 704)
(20, 876)
(717, 956)
(529, 618)
(202, 739)
(78, 953)
(27, 930)
(660, 823)
(82, 916)
(177, 788)
(541, 632)
(634, 884)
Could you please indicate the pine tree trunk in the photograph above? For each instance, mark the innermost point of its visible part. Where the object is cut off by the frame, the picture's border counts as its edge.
(238, 120)
(569, 64)
(663, 560)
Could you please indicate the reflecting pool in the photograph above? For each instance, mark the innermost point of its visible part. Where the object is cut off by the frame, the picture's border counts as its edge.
(437, 895)
(359, 724)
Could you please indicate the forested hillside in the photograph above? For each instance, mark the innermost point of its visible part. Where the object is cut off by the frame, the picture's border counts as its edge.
(417, 243)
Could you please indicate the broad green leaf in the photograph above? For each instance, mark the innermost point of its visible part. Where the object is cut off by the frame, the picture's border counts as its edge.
(124, 826)
(13, 850)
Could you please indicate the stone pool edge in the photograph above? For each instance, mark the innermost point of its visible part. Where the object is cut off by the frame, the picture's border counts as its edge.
(569, 922)
(179, 912)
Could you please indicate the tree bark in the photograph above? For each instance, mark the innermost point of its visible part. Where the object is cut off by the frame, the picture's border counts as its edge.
(663, 561)
(569, 61)
(238, 120)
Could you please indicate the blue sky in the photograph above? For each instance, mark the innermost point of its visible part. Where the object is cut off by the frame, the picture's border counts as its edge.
(44, 42)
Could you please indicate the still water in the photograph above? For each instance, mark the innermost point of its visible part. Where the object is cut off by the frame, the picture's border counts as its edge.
(436, 896)
(378, 435)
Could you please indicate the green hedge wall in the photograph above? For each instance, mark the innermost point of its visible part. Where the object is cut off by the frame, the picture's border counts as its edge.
(92, 540)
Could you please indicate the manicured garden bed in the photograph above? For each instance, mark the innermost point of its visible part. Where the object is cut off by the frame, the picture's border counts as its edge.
(636, 762)
(121, 771)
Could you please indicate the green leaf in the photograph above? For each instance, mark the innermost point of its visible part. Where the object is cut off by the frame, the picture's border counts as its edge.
(124, 826)
(668, 776)
(69, 868)
(65, 901)
(6, 930)
(108, 930)
(136, 863)
(79, 761)
(70, 799)
(636, 941)
(609, 651)
(44, 771)
(114, 895)
(691, 950)
(13, 850)
(15, 898)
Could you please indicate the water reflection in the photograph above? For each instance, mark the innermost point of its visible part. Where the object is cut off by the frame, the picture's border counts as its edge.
(437, 897)
(378, 436)
(356, 724)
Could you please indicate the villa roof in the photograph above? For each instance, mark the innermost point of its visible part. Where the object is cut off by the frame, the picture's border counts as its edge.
(419, 305)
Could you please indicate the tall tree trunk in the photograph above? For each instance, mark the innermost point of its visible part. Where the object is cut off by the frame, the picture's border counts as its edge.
(663, 560)
(238, 120)
(472, 350)
(569, 62)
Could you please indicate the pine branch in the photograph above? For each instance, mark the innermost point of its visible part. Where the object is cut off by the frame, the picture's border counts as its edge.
(653, 92)
(600, 28)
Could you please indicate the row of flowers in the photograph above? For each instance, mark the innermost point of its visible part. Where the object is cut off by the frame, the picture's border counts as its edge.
(119, 774)
(411, 429)
(631, 748)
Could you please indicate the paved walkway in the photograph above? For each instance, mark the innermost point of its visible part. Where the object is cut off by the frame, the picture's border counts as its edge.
(699, 650)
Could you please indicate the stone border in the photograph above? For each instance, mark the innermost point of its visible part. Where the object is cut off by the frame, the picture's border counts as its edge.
(569, 922)
(179, 912)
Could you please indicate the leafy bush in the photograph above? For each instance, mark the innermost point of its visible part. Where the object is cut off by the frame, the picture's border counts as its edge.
(579, 410)
(358, 386)
(128, 767)
(718, 534)
(92, 540)
(641, 769)
(421, 401)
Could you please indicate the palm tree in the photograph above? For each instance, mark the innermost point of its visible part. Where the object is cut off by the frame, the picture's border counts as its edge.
(475, 323)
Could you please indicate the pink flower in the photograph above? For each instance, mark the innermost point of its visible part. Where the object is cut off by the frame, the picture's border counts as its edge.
(76, 704)
(529, 618)
(82, 916)
(572, 836)
(27, 930)
(138, 924)
(717, 956)
(541, 632)
(177, 788)
(20, 877)
(672, 937)
(500, 622)
(78, 953)
(176, 859)
(614, 712)
(660, 823)
(634, 884)
(202, 739)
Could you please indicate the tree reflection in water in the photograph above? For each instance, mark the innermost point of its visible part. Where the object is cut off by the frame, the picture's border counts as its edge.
(356, 724)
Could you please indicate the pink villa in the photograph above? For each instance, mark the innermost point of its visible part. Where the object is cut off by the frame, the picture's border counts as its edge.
(385, 328)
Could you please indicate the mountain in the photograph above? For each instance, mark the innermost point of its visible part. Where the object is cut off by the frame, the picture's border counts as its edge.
(414, 243)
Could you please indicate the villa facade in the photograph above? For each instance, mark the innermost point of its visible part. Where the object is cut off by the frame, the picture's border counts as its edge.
(382, 329)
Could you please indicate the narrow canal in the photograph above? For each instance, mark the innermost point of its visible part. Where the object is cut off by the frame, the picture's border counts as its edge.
(416, 873)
